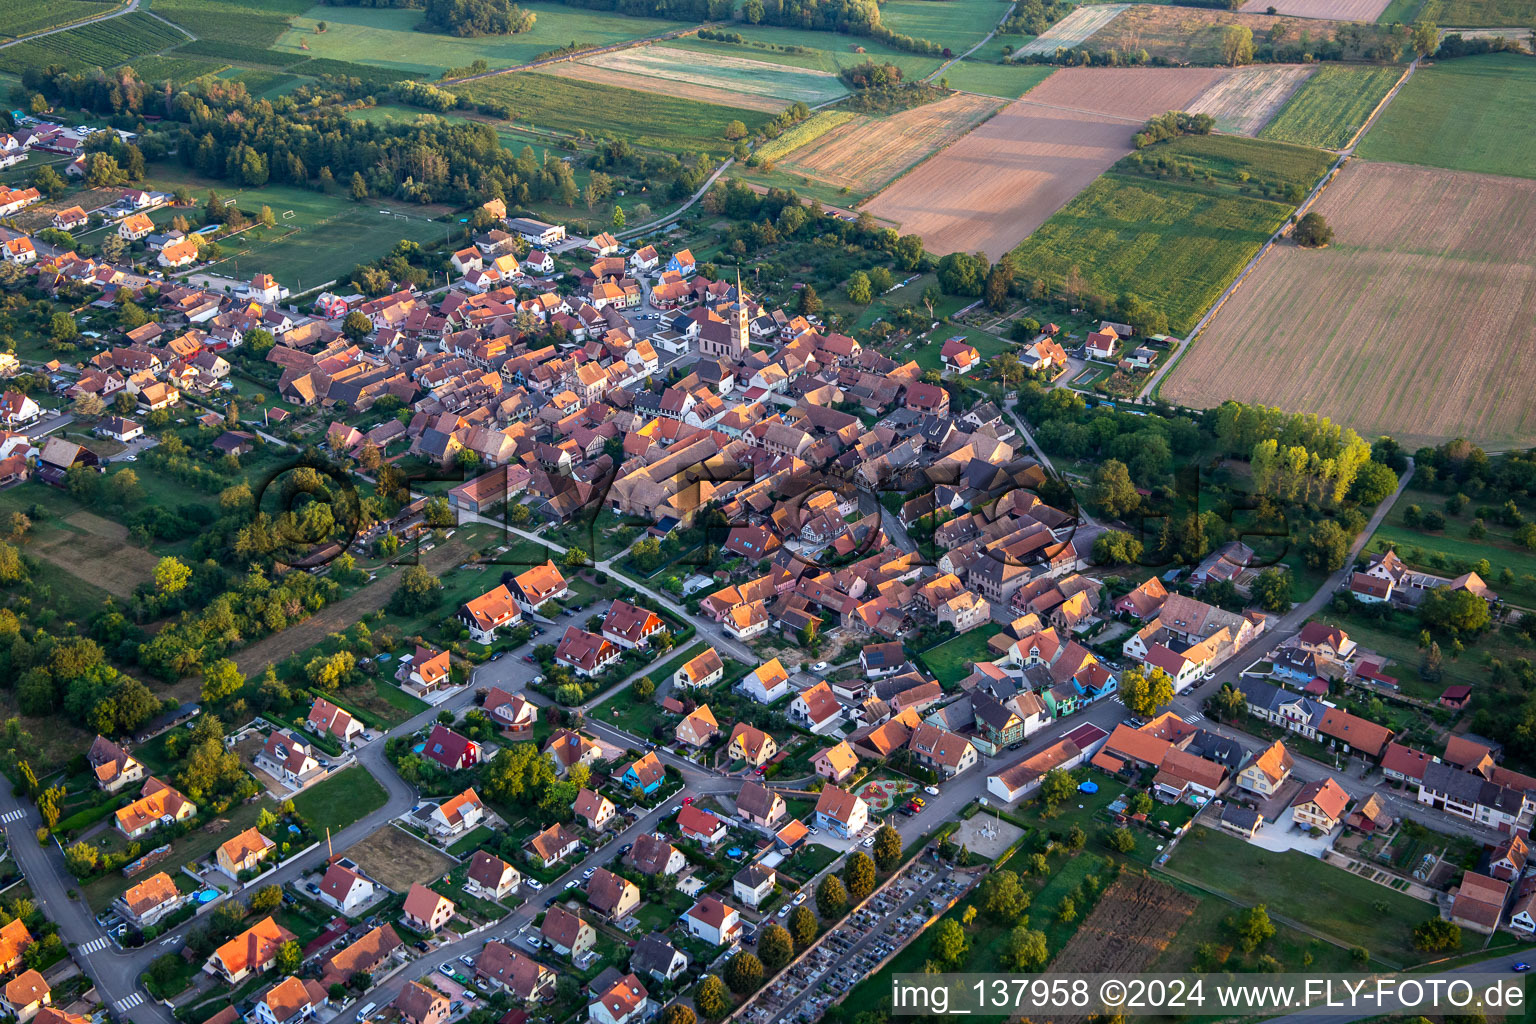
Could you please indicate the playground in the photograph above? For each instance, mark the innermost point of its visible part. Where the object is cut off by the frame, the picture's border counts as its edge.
(882, 795)
(986, 836)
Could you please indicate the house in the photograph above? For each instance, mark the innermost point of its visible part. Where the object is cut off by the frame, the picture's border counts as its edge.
(653, 856)
(594, 809)
(681, 262)
(425, 910)
(344, 889)
(959, 356)
(836, 763)
(427, 671)
(540, 584)
(25, 995)
(14, 939)
(613, 896)
(158, 804)
(419, 1004)
(759, 805)
(566, 748)
(1102, 344)
(16, 409)
(631, 626)
(1456, 697)
(883, 659)
(1265, 773)
(1240, 820)
(149, 901)
(841, 811)
(939, 750)
(19, 251)
(252, 951)
(699, 825)
(365, 956)
(120, 428)
(489, 612)
(766, 683)
(290, 1001)
(134, 227)
(704, 670)
(525, 979)
(243, 853)
(1320, 805)
(754, 883)
(655, 956)
(451, 750)
(713, 921)
(1404, 764)
(1468, 755)
(698, 728)
(288, 759)
(1479, 903)
(113, 766)
(587, 654)
(644, 773)
(752, 745)
(536, 232)
(511, 711)
(552, 845)
(180, 253)
(566, 933)
(1477, 799)
(816, 708)
(1370, 817)
(490, 877)
(623, 1002)
(327, 719)
(457, 814)
(71, 218)
(1354, 733)
(1508, 858)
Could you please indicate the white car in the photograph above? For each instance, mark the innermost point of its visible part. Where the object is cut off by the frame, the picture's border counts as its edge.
(533, 942)
(820, 666)
(799, 898)
(931, 790)
(533, 883)
(785, 909)
(869, 842)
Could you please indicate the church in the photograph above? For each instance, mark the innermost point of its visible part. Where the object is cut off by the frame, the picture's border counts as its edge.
(726, 338)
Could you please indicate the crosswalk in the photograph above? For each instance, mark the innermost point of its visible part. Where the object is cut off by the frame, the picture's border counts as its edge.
(1192, 719)
(128, 1002)
(10, 816)
(99, 943)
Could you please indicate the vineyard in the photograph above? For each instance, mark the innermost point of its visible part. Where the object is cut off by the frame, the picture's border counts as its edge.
(24, 17)
(102, 44)
(802, 134)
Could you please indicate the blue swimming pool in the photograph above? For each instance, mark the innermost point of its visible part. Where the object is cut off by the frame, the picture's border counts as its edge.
(207, 895)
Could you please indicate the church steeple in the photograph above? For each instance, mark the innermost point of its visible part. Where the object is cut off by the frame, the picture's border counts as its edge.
(741, 317)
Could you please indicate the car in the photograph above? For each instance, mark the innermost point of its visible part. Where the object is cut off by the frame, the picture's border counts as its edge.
(758, 770)
(571, 884)
(589, 872)
(905, 811)
(552, 900)
(799, 899)
(687, 800)
(530, 659)
(312, 887)
(820, 666)
(919, 801)
(533, 883)
(538, 630)
(498, 655)
(785, 909)
(536, 680)
(445, 969)
(813, 830)
(626, 848)
(676, 810)
(931, 790)
(869, 841)
(533, 942)
(457, 1007)
(1521, 967)
(467, 960)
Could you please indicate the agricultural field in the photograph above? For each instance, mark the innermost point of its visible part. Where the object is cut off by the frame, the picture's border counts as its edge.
(1331, 106)
(100, 44)
(803, 134)
(1074, 29)
(1003, 180)
(1342, 10)
(803, 48)
(865, 152)
(1190, 35)
(956, 25)
(1469, 114)
(252, 24)
(398, 114)
(260, 82)
(1006, 81)
(24, 17)
(1132, 925)
(1174, 242)
(711, 78)
(94, 550)
(177, 70)
(1484, 13)
(668, 123)
(1244, 101)
(1435, 256)
(387, 37)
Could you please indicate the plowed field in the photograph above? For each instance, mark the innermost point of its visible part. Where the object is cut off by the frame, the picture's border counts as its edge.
(997, 184)
(1414, 323)
(1244, 101)
(1343, 10)
(1132, 924)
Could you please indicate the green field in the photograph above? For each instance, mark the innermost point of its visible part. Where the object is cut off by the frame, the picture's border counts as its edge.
(956, 24)
(1009, 81)
(1400, 12)
(177, 70)
(100, 44)
(951, 661)
(1469, 114)
(1175, 243)
(251, 23)
(387, 37)
(1331, 106)
(802, 48)
(340, 800)
(1484, 13)
(260, 82)
(395, 114)
(660, 122)
(23, 17)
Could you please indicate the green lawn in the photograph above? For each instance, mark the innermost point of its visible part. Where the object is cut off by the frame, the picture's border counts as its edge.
(1460, 552)
(1469, 114)
(1010, 81)
(988, 345)
(1330, 900)
(951, 661)
(1174, 243)
(956, 24)
(387, 37)
(340, 800)
(1331, 105)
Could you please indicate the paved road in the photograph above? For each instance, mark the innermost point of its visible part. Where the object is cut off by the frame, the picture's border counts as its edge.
(698, 194)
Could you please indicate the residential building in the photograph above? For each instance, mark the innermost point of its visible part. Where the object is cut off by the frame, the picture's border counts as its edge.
(14, 940)
(704, 670)
(625, 1001)
(767, 683)
(698, 728)
(837, 762)
(490, 877)
(425, 910)
(327, 719)
(630, 626)
(244, 852)
(158, 804)
(511, 711)
(653, 955)
(752, 745)
(25, 995)
(525, 979)
(540, 584)
(428, 671)
(1320, 805)
(699, 825)
(1265, 773)
(753, 884)
(644, 773)
(150, 900)
(252, 951)
(290, 1001)
(344, 889)
(713, 921)
(113, 766)
(587, 654)
(594, 809)
(457, 814)
(451, 750)
(492, 610)
(552, 845)
(653, 856)
(816, 708)
(420, 1004)
(1479, 902)
(759, 805)
(613, 896)
(566, 933)
(288, 759)
(842, 812)
(370, 954)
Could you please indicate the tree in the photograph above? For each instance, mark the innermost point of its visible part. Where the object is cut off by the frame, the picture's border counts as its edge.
(221, 679)
(802, 926)
(999, 284)
(1327, 546)
(12, 568)
(1056, 787)
(1430, 663)
(678, 1013)
(359, 187)
(1113, 492)
(618, 218)
(1454, 611)
(1228, 702)
(81, 859)
(831, 897)
(1121, 840)
(171, 575)
(1002, 897)
(1312, 231)
(357, 325)
(744, 973)
(1116, 547)
(949, 944)
(645, 689)
(266, 218)
(1026, 949)
(1437, 935)
(1144, 692)
(1271, 590)
(50, 802)
(576, 558)
(775, 948)
(711, 997)
(416, 593)
(290, 957)
(88, 404)
(1425, 38)
(887, 848)
(1237, 45)
(61, 328)
(859, 876)
(1252, 927)
(860, 292)
(266, 899)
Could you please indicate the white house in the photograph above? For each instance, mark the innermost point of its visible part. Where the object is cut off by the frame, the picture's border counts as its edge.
(345, 889)
(716, 923)
(766, 683)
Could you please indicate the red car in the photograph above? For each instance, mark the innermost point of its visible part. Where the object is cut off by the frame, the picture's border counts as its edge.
(687, 800)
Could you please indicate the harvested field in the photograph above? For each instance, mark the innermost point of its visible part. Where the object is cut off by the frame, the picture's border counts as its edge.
(96, 550)
(1074, 28)
(1002, 181)
(866, 152)
(1342, 10)
(1131, 926)
(1190, 35)
(1244, 101)
(658, 68)
(396, 858)
(1374, 330)
(579, 72)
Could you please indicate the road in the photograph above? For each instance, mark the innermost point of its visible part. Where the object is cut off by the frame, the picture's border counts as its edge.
(133, 5)
(675, 214)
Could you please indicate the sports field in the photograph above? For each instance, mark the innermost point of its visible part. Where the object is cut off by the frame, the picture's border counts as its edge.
(1414, 323)
(102, 44)
(1006, 81)
(387, 37)
(1469, 114)
(23, 17)
(668, 123)
(1174, 242)
(709, 77)
(1331, 106)
(1245, 100)
(802, 48)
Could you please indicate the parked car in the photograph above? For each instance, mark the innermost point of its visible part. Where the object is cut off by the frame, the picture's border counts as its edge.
(589, 872)
(445, 969)
(467, 960)
(799, 899)
(931, 790)
(530, 659)
(820, 666)
(532, 941)
(870, 841)
(312, 887)
(687, 800)
(785, 909)
(533, 883)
